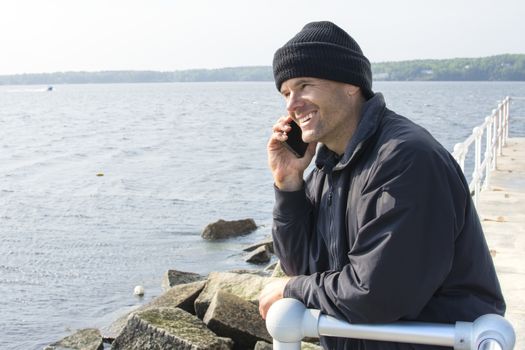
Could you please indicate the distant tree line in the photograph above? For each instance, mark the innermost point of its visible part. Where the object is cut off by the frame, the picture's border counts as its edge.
(501, 67)
(194, 75)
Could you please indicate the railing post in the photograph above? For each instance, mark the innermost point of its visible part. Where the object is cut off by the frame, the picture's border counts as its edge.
(500, 129)
(488, 152)
(506, 116)
(459, 152)
(494, 142)
(478, 132)
(289, 321)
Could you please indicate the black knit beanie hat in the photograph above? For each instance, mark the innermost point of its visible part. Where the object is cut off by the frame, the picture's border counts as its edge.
(323, 50)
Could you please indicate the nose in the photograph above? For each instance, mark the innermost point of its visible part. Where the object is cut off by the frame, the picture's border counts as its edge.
(293, 102)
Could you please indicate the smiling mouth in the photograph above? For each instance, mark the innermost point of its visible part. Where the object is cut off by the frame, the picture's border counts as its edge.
(305, 119)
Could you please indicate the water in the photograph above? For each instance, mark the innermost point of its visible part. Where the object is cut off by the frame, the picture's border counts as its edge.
(175, 157)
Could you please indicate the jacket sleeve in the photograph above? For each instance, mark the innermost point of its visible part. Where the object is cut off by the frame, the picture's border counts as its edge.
(292, 230)
(409, 212)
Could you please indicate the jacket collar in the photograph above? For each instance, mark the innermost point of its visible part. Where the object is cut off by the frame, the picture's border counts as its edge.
(371, 116)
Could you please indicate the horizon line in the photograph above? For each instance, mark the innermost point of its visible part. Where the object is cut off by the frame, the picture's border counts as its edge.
(237, 67)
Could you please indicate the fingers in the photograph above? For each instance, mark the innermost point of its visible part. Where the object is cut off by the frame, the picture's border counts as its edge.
(280, 136)
(270, 294)
(281, 128)
(287, 170)
(282, 124)
(264, 306)
(267, 298)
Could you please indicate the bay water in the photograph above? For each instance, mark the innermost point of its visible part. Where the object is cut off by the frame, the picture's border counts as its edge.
(105, 187)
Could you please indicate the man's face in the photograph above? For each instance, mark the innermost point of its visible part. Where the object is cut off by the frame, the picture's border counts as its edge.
(323, 110)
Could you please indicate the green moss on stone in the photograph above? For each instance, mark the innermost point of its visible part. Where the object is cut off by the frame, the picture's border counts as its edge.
(180, 324)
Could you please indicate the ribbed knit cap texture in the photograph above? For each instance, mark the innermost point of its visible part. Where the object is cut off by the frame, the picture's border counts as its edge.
(323, 50)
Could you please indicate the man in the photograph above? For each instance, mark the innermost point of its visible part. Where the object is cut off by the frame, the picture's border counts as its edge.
(383, 229)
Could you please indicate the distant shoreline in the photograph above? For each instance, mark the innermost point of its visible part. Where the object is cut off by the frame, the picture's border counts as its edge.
(508, 67)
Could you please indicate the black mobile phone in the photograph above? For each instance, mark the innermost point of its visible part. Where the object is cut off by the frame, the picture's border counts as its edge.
(295, 142)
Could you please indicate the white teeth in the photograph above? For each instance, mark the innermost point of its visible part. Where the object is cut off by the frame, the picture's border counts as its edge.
(305, 118)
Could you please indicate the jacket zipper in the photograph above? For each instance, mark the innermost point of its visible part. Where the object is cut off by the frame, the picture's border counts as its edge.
(333, 238)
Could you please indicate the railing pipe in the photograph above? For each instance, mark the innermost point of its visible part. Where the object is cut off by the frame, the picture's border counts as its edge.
(401, 332)
(288, 321)
(497, 128)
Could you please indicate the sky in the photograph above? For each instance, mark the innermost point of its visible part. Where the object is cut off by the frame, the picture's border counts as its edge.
(167, 35)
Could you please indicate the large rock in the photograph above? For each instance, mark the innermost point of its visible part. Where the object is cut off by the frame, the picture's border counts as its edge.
(174, 277)
(84, 339)
(244, 285)
(168, 328)
(260, 255)
(268, 243)
(181, 296)
(232, 317)
(226, 229)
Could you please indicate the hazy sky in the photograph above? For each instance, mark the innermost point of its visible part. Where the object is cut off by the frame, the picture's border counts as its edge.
(90, 35)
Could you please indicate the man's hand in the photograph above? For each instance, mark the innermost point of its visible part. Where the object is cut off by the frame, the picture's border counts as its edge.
(287, 169)
(270, 294)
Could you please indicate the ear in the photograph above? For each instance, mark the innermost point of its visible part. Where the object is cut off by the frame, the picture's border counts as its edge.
(351, 90)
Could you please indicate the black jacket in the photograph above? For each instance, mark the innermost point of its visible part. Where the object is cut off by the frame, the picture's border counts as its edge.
(388, 232)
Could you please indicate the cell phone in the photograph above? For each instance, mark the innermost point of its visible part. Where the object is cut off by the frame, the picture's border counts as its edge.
(295, 143)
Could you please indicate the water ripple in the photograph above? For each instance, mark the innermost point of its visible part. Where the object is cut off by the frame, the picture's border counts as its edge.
(174, 157)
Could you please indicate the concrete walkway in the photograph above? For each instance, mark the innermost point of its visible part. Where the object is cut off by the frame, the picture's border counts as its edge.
(502, 212)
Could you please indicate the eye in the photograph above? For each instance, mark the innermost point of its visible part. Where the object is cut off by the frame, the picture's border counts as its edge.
(304, 85)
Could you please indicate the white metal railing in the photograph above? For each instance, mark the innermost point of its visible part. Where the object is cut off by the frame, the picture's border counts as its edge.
(496, 128)
(288, 321)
